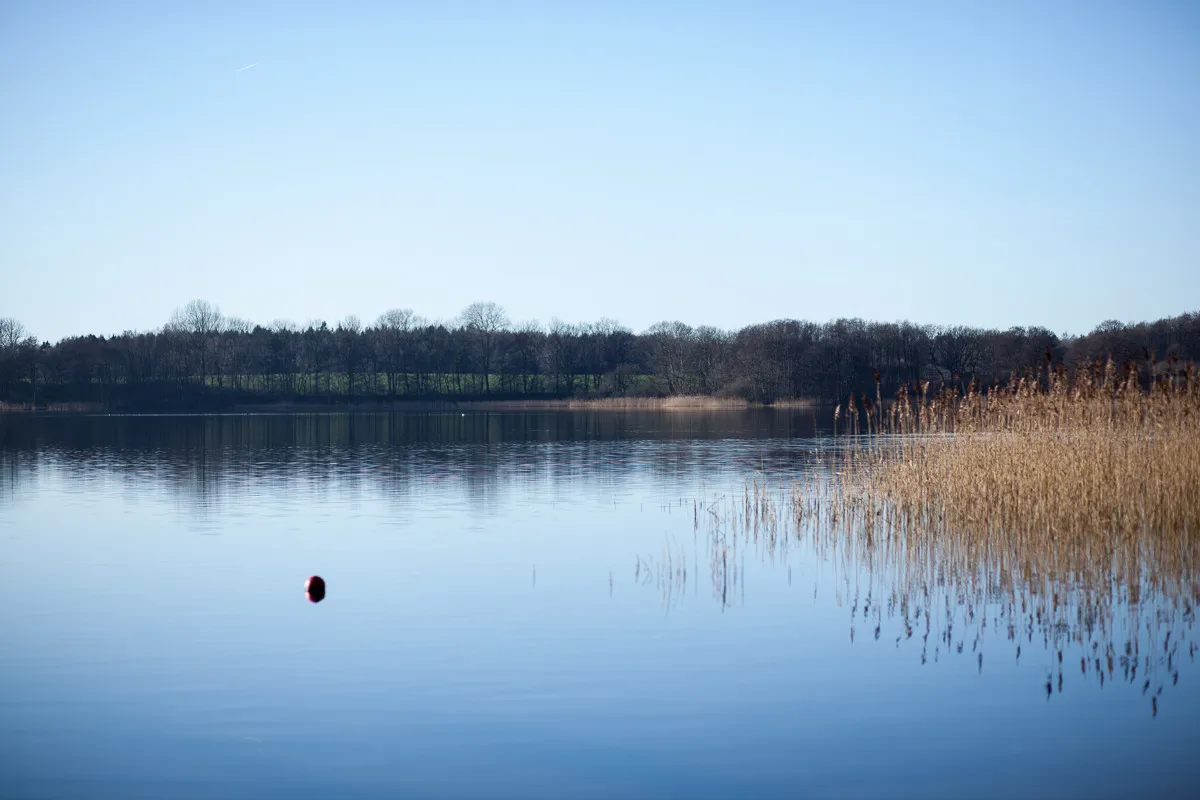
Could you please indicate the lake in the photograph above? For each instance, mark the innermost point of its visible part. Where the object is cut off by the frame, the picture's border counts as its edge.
(553, 604)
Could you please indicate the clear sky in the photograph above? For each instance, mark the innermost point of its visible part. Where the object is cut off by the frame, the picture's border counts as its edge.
(981, 163)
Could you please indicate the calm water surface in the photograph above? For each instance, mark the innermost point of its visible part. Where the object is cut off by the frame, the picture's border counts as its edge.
(528, 605)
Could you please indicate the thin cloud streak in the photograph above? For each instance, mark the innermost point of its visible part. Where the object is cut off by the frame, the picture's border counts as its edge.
(248, 66)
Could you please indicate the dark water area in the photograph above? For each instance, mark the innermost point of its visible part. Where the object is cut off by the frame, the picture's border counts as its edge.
(539, 604)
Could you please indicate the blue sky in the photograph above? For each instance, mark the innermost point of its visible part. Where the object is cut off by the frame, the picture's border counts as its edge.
(990, 164)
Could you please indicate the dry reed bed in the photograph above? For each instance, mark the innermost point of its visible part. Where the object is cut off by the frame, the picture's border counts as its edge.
(1070, 504)
(676, 403)
(1056, 479)
(1056, 511)
(698, 402)
(74, 407)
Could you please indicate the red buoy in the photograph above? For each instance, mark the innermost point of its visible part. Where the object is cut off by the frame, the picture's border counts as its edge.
(315, 588)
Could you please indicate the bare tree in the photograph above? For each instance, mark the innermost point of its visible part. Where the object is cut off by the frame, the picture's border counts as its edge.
(398, 319)
(199, 323)
(616, 350)
(395, 329)
(486, 322)
(17, 354)
(708, 354)
(232, 354)
(957, 353)
(12, 334)
(278, 354)
(564, 346)
(670, 345)
(349, 343)
(524, 354)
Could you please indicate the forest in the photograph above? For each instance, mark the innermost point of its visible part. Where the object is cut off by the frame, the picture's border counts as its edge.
(202, 359)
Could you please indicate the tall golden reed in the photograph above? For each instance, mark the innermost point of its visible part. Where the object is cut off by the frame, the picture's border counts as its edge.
(1071, 478)
(1063, 513)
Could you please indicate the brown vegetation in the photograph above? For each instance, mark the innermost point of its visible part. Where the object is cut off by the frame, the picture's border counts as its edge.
(1098, 470)
(1062, 513)
(678, 403)
(66, 408)
(1072, 504)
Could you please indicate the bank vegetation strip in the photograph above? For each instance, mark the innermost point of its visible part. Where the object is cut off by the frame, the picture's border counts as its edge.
(203, 360)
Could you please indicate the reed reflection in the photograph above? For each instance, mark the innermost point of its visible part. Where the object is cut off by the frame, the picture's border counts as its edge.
(1124, 617)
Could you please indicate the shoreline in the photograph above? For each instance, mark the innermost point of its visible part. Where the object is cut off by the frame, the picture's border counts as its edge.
(681, 403)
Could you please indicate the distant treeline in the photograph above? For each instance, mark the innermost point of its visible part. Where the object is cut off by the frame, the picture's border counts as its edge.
(202, 359)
